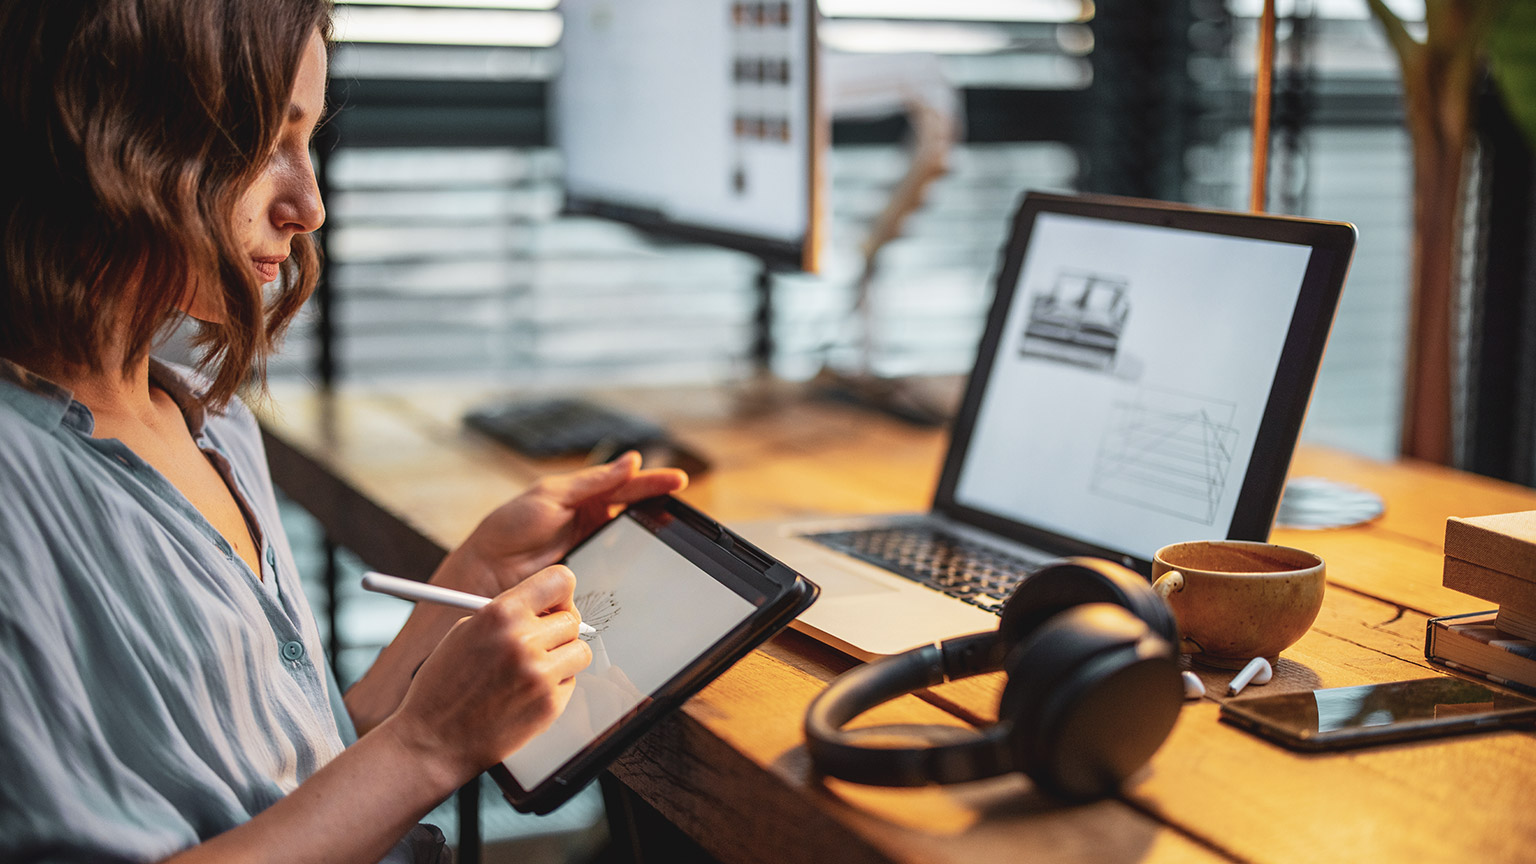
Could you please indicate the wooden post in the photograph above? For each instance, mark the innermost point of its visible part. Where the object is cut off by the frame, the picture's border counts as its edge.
(1263, 89)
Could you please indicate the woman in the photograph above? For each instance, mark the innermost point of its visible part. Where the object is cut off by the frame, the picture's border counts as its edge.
(162, 688)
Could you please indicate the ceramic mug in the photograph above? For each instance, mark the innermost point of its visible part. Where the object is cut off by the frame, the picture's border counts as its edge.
(1236, 600)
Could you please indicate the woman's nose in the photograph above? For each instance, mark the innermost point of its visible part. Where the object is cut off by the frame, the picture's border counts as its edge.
(299, 207)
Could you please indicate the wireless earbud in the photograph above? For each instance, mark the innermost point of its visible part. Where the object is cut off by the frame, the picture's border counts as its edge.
(1258, 671)
(1091, 655)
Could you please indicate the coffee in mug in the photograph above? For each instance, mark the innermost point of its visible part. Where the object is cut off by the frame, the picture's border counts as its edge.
(1236, 599)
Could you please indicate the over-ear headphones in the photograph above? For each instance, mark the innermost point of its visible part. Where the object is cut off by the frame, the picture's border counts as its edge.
(1093, 689)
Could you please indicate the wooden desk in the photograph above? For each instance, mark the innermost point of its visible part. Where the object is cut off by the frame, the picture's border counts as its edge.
(396, 478)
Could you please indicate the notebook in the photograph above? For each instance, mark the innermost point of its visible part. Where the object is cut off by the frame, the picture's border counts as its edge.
(1141, 380)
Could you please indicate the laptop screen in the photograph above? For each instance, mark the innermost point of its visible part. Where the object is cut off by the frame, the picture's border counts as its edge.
(1127, 374)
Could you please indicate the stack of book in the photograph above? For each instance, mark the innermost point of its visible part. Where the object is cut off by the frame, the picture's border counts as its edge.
(1494, 558)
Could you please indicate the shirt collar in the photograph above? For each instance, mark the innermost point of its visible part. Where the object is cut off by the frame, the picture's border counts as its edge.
(177, 382)
(49, 405)
(35, 397)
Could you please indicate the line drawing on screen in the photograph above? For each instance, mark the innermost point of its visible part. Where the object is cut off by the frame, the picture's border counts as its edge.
(1079, 320)
(1169, 452)
(597, 608)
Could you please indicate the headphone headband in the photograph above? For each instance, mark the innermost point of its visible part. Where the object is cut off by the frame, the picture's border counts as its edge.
(1087, 646)
(983, 754)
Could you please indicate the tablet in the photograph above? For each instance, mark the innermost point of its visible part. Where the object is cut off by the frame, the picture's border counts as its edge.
(676, 599)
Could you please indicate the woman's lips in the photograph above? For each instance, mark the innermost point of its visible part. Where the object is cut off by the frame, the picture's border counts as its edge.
(267, 268)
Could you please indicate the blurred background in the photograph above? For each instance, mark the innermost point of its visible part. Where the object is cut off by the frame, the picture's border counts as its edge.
(450, 258)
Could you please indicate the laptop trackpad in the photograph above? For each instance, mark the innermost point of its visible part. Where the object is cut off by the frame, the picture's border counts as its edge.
(837, 574)
(842, 578)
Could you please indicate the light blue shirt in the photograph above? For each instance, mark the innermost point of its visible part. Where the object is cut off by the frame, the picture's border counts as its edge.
(153, 691)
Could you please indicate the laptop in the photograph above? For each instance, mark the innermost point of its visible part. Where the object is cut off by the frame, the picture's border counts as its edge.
(1142, 380)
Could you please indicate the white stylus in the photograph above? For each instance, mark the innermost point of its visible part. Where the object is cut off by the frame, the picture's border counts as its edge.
(408, 589)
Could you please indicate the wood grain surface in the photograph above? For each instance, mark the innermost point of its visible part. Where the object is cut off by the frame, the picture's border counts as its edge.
(398, 479)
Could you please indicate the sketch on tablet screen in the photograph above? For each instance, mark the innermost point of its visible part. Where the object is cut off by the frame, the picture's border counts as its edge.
(597, 608)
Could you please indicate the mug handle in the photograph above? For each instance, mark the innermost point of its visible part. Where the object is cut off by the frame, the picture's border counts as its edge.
(1171, 582)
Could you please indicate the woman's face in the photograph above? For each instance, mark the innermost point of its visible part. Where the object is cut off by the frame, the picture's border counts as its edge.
(284, 200)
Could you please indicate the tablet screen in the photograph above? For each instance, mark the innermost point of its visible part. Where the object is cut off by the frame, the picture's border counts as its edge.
(655, 611)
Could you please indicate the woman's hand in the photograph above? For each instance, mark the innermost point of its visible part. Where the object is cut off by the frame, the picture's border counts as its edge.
(538, 527)
(519, 538)
(497, 679)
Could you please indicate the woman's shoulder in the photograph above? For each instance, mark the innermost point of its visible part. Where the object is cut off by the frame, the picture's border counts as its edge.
(28, 425)
(39, 478)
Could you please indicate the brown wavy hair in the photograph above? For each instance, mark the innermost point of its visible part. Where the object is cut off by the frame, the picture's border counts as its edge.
(131, 130)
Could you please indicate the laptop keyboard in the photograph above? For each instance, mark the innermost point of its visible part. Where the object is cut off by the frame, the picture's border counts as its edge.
(968, 571)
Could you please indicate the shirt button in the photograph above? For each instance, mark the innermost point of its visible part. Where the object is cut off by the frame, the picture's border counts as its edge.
(293, 651)
(271, 557)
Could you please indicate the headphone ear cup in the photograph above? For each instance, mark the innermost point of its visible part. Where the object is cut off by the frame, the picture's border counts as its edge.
(1069, 582)
(1052, 653)
(1090, 697)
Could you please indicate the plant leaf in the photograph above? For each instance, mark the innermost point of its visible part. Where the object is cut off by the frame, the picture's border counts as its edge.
(1512, 58)
(1392, 26)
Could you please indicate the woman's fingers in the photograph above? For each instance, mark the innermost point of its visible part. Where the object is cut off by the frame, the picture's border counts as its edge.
(649, 484)
(547, 595)
(502, 675)
(619, 481)
(554, 628)
(549, 589)
(570, 658)
(578, 486)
